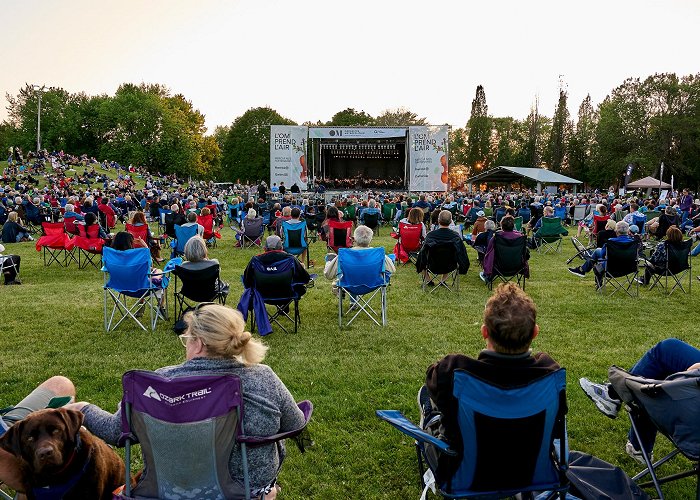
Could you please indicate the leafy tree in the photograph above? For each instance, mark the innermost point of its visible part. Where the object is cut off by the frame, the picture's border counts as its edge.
(351, 118)
(582, 141)
(458, 147)
(557, 147)
(503, 141)
(399, 117)
(246, 152)
(479, 127)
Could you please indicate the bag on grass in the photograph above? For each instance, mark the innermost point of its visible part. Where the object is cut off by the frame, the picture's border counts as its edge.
(594, 479)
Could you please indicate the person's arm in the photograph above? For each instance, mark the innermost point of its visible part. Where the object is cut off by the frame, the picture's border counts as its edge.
(389, 264)
(330, 270)
(105, 425)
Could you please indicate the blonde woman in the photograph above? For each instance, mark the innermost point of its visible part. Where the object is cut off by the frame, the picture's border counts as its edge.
(216, 342)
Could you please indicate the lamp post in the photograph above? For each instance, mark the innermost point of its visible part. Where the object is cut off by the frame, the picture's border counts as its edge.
(40, 90)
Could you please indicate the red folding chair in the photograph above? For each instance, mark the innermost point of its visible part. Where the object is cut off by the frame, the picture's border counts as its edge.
(70, 227)
(210, 234)
(56, 244)
(339, 235)
(410, 242)
(89, 245)
(138, 232)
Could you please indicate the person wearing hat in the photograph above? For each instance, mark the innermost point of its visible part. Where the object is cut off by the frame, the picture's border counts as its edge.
(479, 223)
(274, 253)
(10, 267)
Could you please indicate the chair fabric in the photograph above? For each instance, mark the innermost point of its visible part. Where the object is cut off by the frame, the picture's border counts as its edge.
(137, 231)
(210, 234)
(371, 221)
(508, 437)
(677, 266)
(339, 235)
(441, 258)
(200, 285)
(69, 224)
(89, 245)
(548, 237)
(253, 230)
(410, 238)
(641, 222)
(621, 267)
(200, 429)
(363, 276)
(294, 237)
(57, 246)
(182, 236)
(509, 260)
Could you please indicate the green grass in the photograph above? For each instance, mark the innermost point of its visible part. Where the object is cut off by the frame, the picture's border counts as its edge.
(52, 324)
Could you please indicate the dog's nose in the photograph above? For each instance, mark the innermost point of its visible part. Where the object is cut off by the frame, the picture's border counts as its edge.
(44, 452)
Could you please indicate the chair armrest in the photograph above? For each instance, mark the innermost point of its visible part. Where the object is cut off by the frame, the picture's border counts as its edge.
(402, 424)
(306, 408)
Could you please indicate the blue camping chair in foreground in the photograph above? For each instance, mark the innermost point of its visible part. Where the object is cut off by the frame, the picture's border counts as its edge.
(362, 275)
(128, 278)
(672, 406)
(295, 241)
(186, 442)
(513, 440)
(182, 236)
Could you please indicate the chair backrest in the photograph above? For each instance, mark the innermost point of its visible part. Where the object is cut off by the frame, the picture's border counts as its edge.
(69, 225)
(274, 281)
(339, 234)
(508, 430)
(294, 236)
(580, 212)
(410, 236)
(182, 236)
(361, 270)
(128, 269)
(371, 220)
(441, 257)
(253, 228)
(599, 222)
(518, 222)
(388, 211)
(560, 212)
(207, 222)
(53, 228)
(640, 221)
(199, 285)
(509, 255)
(652, 214)
(213, 209)
(551, 227)
(140, 231)
(621, 257)
(91, 231)
(162, 212)
(678, 256)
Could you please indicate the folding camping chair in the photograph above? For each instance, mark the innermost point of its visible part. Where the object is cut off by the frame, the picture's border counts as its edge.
(182, 236)
(210, 234)
(295, 240)
(252, 234)
(275, 286)
(162, 213)
(620, 268)
(371, 221)
(339, 235)
(138, 231)
(518, 223)
(673, 407)
(410, 241)
(677, 266)
(513, 440)
(509, 260)
(56, 244)
(562, 213)
(89, 245)
(201, 285)
(580, 212)
(69, 225)
(362, 275)
(582, 252)
(186, 443)
(388, 213)
(128, 278)
(441, 259)
(548, 237)
(599, 222)
(641, 222)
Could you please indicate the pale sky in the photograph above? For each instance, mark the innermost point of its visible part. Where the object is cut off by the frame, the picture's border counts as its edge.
(310, 59)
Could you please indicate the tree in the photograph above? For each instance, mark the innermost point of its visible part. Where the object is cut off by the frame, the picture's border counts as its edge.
(351, 118)
(557, 147)
(479, 127)
(246, 153)
(582, 141)
(399, 117)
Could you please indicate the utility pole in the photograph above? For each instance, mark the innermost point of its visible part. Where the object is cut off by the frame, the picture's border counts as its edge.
(40, 90)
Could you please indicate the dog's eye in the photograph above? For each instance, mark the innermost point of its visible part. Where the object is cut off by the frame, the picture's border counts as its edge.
(30, 438)
(55, 431)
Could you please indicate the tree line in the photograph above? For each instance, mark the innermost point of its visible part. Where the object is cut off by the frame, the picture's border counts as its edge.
(643, 121)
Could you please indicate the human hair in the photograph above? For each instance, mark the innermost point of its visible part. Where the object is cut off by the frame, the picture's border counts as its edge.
(372, 203)
(332, 213)
(69, 207)
(205, 211)
(363, 236)
(123, 241)
(415, 216)
(548, 211)
(104, 201)
(510, 317)
(674, 235)
(295, 213)
(222, 330)
(508, 223)
(434, 216)
(602, 209)
(445, 218)
(196, 249)
(622, 227)
(287, 211)
(273, 243)
(634, 207)
(610, 224)
(191, 217)
(139, 218)
(12, 217)
(252, 214)
(489, 225)
(90, 219)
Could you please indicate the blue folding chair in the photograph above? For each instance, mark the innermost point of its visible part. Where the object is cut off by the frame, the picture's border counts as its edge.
(162, 212)
(640, 221)
(513, 440)
(182, 236)
(561, 212)
(362, 275)
(128, 278)
(295, 241)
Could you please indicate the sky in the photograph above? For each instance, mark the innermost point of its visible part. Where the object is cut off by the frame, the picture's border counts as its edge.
(311, 59)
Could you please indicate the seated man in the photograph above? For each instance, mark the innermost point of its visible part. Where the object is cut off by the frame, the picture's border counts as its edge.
(622, 230)
(443, 234)
(192, 221)
(9, 264)
(174, 218)
(370, 210)
(275, 253)
(548, 214)
(661, 361)
(510, 325)
(39, 398)
(481, 242)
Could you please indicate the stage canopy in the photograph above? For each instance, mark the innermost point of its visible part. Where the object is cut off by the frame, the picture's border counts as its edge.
(648, 183)
(506, 175)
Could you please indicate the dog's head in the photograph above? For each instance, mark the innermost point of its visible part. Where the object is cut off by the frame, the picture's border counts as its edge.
(45, 439)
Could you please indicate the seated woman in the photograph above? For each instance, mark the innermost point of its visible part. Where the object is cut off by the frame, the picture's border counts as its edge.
(251, 214)
(482, 239)
(91, 220)
(139, 220)
(605, 234)
(415, 216)
(215, 343)
(13, 231)
(332, 213)
(197, 259)
(657, 262)
(9, 264)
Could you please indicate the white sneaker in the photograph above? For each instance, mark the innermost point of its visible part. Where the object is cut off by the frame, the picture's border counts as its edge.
(598, 393)
(637, 454)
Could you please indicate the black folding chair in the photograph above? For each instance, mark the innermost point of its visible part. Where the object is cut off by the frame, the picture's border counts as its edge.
(509, 260)
(441, 259)
(677, 267)
(201, 285)
(621, 265)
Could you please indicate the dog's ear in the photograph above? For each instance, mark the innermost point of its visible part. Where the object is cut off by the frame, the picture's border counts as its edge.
(11, 440)
(73, 420)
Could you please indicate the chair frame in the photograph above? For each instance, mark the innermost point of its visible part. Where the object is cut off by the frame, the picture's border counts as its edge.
(452, 281)
(180, 301)
(661, 280)
(629, 284)
(60, 255)
(362, 303)
(548, 243)
(519, 276)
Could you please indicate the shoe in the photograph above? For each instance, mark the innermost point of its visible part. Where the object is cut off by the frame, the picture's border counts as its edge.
(598, 393)
(482, 276)
(640, 281)
(139, 312)
(637, 454)
(577, 271)
(424, 404)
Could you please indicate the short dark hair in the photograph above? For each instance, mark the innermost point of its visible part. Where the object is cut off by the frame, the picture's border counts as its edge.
(90, 218)
(507, 223)
(296, 212)
(510, 317)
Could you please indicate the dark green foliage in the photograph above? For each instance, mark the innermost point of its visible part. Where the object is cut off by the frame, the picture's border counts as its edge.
(400, 117)
(479, 126)
(557, 147)
(351, 118)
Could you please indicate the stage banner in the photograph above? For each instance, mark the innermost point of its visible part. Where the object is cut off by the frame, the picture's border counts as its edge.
(288, 155)
(427, 158)
(356, 132)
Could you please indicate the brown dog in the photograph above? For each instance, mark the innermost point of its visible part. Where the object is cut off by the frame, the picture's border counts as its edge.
(62, 459)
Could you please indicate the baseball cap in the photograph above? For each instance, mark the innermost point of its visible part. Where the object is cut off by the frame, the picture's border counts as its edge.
(480, 213)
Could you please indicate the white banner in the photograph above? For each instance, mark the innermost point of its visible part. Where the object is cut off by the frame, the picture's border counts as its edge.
(355, 132)
(288, 156)
(427, 158)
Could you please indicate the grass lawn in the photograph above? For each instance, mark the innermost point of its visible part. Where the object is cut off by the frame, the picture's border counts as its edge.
(52, 324)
